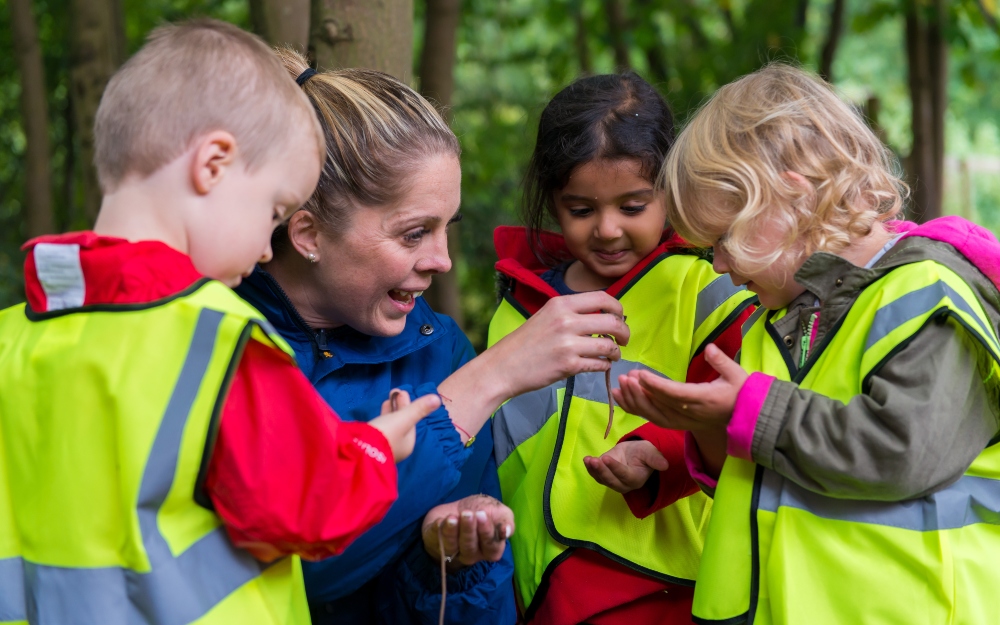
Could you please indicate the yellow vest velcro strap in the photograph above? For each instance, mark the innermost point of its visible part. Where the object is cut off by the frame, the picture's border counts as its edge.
(522, 417)
(175, 590)
(917, 303)
(713, 296)
(968, 501)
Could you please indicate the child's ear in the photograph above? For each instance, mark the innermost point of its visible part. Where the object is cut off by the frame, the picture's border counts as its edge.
(215, 152)
(303, 232)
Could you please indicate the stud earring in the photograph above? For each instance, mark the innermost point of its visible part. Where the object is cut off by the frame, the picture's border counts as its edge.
(311, 257)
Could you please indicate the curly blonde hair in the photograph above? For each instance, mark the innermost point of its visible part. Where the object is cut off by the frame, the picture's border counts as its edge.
(728, 172)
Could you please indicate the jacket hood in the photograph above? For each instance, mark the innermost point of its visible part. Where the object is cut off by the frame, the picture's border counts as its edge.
(976, 243)
(76, 269)
(518, 263)
(423, 326)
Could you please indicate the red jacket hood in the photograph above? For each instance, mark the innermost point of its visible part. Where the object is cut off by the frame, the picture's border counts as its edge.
(64, 271)
(518, 262)
(976, 243)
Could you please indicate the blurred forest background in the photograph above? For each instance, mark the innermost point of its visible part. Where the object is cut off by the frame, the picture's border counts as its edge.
(924, 72)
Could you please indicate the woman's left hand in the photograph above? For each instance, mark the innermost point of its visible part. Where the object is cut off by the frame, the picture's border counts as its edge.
(680, 406)
(473, 529)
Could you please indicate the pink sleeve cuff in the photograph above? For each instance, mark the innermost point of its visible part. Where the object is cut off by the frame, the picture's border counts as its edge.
(749, 403)
(692, 458)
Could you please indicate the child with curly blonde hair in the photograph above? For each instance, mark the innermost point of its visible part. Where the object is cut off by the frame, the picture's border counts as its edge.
(861, 483)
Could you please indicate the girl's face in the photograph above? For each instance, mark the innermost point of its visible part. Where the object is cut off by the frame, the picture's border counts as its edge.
(611, 219)
(774, 284)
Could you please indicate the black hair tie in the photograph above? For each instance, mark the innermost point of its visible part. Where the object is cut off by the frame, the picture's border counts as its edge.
(306, 74)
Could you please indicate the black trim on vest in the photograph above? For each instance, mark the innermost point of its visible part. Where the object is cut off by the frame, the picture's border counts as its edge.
(814, 356)
(782, 348)
(733, 620)
(200, 496)
(543, 586)
(509, 298)
(758, 480)
(547, 506)
(37, 316)
(639, 276)
(722, 327)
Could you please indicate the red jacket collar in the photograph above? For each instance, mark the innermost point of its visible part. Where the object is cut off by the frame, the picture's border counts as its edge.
(518, 262)
(64, 271)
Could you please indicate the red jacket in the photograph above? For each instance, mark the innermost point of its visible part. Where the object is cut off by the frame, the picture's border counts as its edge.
(587, 586)
(286, 475)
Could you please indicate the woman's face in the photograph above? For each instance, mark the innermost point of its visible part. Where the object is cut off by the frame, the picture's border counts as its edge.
(371, 273)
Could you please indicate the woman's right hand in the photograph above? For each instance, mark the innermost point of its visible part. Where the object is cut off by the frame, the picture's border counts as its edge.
(399, 418)
(561, 340)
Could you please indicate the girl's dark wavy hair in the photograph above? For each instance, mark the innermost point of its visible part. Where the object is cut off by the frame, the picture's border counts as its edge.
(610, 116)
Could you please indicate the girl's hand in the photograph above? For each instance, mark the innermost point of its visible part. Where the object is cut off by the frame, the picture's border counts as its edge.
(398, 421)
(560, 340)
(475, 528)
(680, 406)
(627, 466)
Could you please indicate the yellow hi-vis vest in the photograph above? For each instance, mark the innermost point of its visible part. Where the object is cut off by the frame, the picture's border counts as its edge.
(778, 553)
(105, 416)
(674, 310)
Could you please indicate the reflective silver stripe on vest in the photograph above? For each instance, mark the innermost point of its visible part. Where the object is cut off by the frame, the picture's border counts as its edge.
(968, 501)
(523, 416)
(176, 590)
(713, 296)
(915, 304)
(752, 319)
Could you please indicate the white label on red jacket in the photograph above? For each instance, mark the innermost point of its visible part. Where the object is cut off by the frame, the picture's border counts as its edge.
(371, 451)
(59, 272)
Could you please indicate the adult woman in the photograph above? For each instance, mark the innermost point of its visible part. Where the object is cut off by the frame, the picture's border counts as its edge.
(344, 288)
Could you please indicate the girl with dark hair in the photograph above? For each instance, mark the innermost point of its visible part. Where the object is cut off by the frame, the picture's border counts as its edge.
(582, 552)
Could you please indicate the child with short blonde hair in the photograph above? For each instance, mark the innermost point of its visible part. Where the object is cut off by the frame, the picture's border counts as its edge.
(861, 483)
(158, 444)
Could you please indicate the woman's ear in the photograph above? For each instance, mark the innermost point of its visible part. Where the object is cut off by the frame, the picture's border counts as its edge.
(215, 152)
(303, 232)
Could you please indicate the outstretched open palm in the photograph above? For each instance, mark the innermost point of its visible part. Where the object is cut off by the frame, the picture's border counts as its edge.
(681, 406)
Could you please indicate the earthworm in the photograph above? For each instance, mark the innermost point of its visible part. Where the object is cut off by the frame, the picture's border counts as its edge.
(444, 574)
(607, 384)
(611, 401)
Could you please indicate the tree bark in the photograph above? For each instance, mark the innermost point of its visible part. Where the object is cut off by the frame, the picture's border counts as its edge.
(281, 22)
(37, 211)
(437, 83)
(617, 28)
(833, 35)
(377, 34)
(97, 49)
(927, 62)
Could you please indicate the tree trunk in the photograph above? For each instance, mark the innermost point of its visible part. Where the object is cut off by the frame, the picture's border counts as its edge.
(926, 60)
(377, 34)
(617, 28)
(34, 113)
(281, 22)
(833, 35)
(437, 82)
(97, 49)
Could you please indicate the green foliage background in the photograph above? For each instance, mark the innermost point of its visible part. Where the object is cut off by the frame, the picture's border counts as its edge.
(515, 54)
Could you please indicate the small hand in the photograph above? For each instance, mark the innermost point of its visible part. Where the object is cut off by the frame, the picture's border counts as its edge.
(680, 406)
(473, 529)
(399, 418)
(626, 466)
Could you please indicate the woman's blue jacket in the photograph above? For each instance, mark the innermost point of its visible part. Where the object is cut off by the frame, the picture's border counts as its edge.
(386, 576)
